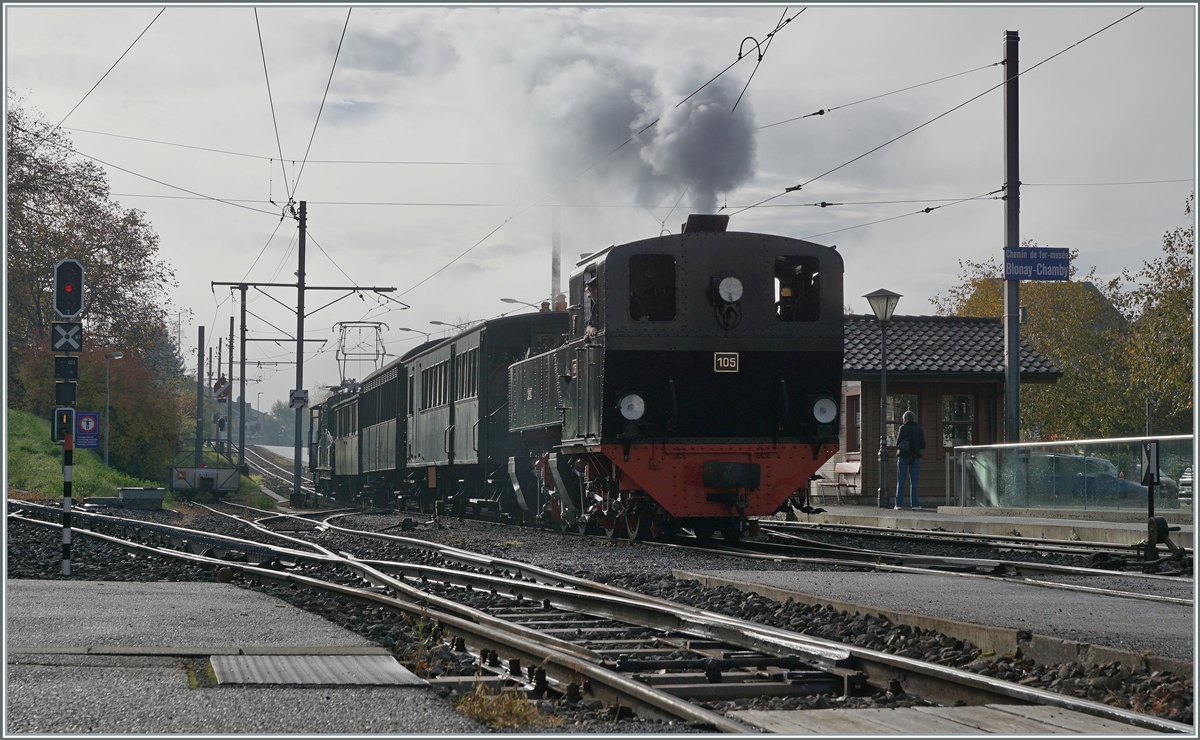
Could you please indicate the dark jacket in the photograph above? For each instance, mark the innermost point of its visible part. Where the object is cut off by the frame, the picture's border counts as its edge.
(593, 315)
(916, 440)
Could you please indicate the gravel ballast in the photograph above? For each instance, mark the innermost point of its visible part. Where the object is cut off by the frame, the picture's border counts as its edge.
(644, 568)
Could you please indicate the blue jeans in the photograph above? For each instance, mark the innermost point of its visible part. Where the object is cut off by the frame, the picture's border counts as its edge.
(911, 468)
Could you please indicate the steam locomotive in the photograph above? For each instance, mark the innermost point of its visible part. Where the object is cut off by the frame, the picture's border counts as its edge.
(693, 381)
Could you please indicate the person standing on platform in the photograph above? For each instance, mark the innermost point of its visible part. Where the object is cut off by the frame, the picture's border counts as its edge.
(909, 443)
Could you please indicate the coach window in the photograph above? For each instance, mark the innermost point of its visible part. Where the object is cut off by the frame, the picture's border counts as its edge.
(797, 288)
(958, 421)
(652, 287)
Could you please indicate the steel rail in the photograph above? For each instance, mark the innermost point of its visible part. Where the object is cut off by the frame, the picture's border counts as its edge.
(952, 538)
(1015, 567)
(880, 667)
(262, 465)
(933, 681)
(888, 532)
(567, 666)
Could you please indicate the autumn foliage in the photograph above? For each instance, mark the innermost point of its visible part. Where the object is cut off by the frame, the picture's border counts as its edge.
(1117, 342)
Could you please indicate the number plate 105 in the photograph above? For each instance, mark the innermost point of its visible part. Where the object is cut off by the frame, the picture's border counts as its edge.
(725, 362)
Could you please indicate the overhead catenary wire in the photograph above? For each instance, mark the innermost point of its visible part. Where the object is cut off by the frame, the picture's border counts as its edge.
(272, 159)
(106, 73)
(823, 111)
(762, 53)
(935, 118)
(989, 196)
(271, 100)
(323, 97)
(202, 196)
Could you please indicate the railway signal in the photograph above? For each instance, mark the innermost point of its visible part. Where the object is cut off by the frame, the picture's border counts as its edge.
(64, 423)
(68, 288)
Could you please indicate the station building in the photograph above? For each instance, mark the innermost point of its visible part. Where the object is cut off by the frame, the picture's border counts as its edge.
(949, 370)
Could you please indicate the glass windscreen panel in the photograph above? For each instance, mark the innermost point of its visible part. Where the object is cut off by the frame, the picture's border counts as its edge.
(797, 288)
(652, 287)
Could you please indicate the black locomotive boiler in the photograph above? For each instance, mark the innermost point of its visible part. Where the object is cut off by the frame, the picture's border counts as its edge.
(705, 392)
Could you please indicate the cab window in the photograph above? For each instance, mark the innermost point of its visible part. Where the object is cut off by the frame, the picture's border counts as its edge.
(797, 288)
(652, 287)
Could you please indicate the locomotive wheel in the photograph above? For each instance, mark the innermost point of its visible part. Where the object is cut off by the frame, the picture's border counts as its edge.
(637, 524)
(704, 530)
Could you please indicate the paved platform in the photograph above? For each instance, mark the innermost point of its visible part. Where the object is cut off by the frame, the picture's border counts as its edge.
(1001, 719)
(1116, 527)
(993, 614)
(114, 657)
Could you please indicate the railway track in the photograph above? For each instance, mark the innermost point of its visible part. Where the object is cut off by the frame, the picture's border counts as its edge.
(552, 634)
(999, 542)
(281, 477)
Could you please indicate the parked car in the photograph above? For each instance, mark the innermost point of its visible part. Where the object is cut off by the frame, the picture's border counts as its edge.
(1185, 488)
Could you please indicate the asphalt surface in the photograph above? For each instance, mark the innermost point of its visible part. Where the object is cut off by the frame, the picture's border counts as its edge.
(1167, 629)
(57, 693)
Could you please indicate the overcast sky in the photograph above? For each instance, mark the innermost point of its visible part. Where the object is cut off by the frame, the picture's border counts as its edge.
(513, 111)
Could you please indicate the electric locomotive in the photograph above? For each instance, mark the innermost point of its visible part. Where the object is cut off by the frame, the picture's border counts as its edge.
(708, 392)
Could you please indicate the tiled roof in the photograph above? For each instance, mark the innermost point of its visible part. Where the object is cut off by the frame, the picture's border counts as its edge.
(936, 344)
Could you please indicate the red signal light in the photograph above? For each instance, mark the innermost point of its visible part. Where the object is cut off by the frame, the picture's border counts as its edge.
(69, 288)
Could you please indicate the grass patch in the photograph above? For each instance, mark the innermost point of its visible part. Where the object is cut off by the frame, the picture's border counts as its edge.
(35, 470)
(35, 464)
(505, 709)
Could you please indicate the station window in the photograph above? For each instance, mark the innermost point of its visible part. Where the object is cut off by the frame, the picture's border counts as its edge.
(897, 404)
(652, 287)
(797, 288)
(853, 424)
(958, 421)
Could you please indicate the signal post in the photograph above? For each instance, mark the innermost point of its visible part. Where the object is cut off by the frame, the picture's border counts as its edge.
(66, 337)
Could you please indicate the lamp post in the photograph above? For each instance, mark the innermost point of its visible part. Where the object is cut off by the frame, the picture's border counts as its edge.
(415, 331)
(523, 303)
(450, 324)
(883, 303)
(108, 357)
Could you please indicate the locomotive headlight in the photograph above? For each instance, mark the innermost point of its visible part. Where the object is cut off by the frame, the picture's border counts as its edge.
(632, 406)
(824, 410)
(730, 290)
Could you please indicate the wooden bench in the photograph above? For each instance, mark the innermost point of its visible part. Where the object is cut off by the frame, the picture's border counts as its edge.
(846, 477)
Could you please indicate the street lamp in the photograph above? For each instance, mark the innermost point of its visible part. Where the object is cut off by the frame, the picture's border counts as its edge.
(883, 303)
(107, 358)
(416, 331)
(523, 303)
(444, 323)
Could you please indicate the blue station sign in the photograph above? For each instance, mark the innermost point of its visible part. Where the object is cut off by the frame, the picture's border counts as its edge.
(87, 430)
(1037, 263)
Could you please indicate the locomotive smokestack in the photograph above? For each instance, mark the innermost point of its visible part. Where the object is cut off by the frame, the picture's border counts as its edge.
(555, 253)
(704, 222)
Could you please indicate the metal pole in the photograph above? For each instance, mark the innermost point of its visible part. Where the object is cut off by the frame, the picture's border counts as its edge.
(1012, 240)
(199, 399)
(242, 390)
(229, 400)
(883, 452)
(296, 500)
(106, 363)
(68, 466)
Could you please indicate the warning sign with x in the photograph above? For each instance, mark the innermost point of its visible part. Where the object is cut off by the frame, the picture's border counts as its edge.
(67, 336)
